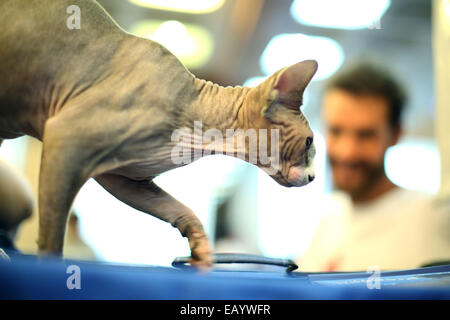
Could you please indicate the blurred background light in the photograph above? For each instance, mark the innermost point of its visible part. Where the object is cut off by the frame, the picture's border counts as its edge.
(14, 152)
(192, 44)
(447, 7)
(254, 81)
(191, 6)
(342, 14)
(286, 49)
(414, 164)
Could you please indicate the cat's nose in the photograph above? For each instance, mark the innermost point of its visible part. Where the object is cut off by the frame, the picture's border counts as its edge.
(310, 178)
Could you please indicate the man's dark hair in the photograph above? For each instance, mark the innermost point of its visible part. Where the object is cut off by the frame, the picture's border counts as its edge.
(369, 80)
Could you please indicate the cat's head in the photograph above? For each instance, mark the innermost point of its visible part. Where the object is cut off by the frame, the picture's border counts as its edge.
(275, 104)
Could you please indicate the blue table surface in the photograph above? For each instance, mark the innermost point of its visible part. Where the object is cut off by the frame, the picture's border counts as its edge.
(24, 277)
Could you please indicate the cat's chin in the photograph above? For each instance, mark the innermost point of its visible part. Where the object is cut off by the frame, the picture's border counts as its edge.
(285, 184)
(296, 184)
(289, 184)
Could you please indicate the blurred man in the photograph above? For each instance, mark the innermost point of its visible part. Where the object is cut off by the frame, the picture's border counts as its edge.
(381, 226)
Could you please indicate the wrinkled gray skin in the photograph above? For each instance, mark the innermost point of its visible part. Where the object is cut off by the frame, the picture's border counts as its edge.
(105, 103)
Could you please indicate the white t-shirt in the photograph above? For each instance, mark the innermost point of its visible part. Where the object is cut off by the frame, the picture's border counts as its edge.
(400, 230)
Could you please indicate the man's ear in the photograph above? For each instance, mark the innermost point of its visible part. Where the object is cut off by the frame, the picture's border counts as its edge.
(292, 81)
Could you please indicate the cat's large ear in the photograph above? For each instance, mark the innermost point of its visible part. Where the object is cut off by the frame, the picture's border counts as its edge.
(292, 81)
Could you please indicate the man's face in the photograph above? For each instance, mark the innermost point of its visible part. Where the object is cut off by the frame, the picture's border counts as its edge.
(357, 134)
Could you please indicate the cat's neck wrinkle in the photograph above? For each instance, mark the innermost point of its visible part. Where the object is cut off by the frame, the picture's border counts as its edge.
(217, 107)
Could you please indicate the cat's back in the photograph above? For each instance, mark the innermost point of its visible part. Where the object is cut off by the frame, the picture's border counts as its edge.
(39, 48)
(36, 35)
(43, 62)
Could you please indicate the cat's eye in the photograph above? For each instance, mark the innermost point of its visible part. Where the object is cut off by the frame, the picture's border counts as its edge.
(308, 142)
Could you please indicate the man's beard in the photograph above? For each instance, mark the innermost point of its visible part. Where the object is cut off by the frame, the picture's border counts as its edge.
(371, 175)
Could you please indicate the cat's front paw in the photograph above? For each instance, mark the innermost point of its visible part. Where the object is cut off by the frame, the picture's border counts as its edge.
(200, 251)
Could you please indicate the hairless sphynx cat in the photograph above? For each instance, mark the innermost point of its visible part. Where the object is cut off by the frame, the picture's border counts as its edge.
(105, 103)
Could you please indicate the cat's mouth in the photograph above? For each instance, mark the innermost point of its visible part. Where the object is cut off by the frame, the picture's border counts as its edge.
(296, 176)
(299, 176)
